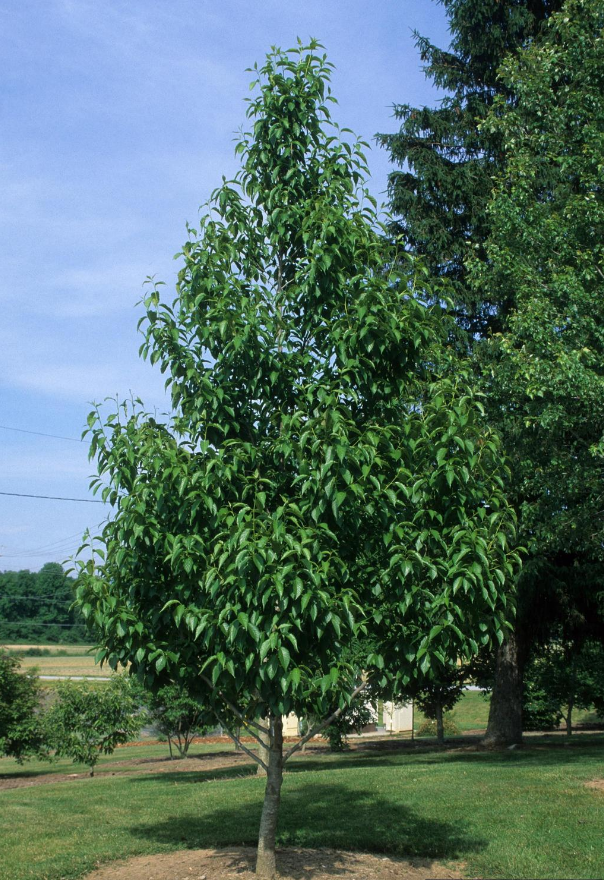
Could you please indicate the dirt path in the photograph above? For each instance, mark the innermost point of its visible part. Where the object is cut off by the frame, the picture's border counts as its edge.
(293, 864)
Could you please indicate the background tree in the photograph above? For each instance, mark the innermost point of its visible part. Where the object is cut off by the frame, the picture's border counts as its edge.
(38, 607)
(21, 728)
(86, 722)
(175, 714)
(545, 370)
(325, 474)
(561, 678)
(439, 695)
(447, 160)
(441, 199)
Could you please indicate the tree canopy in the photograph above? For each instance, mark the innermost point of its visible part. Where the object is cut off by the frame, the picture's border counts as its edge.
(326, 472)
(21, 730)
(446, 160)
(38, 606)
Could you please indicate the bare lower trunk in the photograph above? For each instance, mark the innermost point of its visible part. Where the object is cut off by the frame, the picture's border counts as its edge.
(505, 713)
(263, 750)
(170, 747)
(569, 718)
(266, 866)
(440, 727)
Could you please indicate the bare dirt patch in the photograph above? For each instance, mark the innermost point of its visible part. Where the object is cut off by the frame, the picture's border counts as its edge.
(597, 784)
(293, 864)
(215, 761)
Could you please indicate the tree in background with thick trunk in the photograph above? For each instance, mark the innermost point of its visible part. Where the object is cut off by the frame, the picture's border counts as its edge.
(326, 474)
(448, 158)
(544, 373)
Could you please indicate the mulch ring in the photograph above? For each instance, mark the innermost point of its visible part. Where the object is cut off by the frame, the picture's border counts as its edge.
(293, 864)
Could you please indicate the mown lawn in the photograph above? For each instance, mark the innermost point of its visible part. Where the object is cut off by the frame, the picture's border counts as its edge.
(525, 813)
(472, 713)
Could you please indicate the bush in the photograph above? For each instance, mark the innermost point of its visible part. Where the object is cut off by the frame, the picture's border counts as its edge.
(21, 730)
(428, 726)
(351, 721)
(179, 717)
(540, 710)
(84, 723)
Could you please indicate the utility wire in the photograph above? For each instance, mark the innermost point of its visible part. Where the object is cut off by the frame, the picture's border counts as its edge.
(53, 497)
(49, 546)
(52, 596)
(41, 434)
(7, 623)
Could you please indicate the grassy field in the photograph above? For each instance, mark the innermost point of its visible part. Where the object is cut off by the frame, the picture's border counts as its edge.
(520, 814)
(471, 713)
(65, 660)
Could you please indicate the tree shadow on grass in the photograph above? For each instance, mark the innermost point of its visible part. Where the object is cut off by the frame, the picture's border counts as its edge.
(185, 777)
(320, 815)
(543, 753)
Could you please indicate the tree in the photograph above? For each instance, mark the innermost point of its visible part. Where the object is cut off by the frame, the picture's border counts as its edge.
(21, 730)
(326, 473)
(86, 722)
(38, 606)
(175, 714)
(440, 695)
(562, 678)
(545, 371)
(447, 160)
(442, 200)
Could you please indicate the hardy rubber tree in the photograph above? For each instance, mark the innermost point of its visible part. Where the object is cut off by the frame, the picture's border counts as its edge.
(544, 372)
(324, 475)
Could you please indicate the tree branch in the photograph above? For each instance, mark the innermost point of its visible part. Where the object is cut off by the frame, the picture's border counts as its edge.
(323, 724)
(238, 742)
(245, 721)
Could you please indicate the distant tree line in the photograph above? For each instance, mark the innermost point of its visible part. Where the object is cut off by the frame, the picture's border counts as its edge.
(36, 607)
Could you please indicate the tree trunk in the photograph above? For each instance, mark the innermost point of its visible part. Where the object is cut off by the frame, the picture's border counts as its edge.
(266, 866)
(505, 713)
(569, 718)
(170, 747)
(263, 750)
(440, 728)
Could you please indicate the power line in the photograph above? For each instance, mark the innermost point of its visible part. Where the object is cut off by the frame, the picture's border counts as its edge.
(67, 598)
(51, 545)
(53, 497)
(41, 434)
(9, 623)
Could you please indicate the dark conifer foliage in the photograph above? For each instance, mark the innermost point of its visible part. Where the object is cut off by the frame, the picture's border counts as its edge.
(445, 162)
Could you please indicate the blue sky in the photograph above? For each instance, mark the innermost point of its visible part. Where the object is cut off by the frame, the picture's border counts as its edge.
(118, 120)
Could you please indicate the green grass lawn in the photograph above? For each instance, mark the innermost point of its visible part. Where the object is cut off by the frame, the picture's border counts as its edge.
(519, 814)
(472, 713)
(125, 757)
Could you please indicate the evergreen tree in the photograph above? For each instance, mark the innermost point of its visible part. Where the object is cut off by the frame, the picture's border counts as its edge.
(446, 160)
